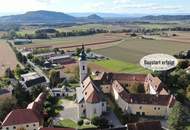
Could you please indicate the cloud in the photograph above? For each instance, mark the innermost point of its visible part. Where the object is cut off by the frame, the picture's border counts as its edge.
(121, 1)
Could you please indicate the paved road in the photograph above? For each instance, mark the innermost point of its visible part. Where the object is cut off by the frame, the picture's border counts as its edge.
(69, 111)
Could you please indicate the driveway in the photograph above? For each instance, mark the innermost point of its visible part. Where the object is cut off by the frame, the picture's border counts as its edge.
(69, 111)
(112, 118)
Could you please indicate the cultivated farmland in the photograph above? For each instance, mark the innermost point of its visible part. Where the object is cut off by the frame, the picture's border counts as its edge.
(69, 42)
(132, 50)
(7, 57)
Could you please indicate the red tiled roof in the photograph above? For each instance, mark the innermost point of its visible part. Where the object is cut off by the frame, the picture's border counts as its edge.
(156, 84)
(163, 100)
(90, 91)
(151, 125)
(20, 116)
(122, 77)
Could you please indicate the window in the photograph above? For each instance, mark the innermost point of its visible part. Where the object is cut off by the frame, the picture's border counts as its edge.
(83, 67)
(82, 105)
(155, 108)
(14, 127)
(85, 93)
(102, 104)
(34, 125)
(7, 128)
(159, 108)
(34, 129)
(27, 125)
(140, 107)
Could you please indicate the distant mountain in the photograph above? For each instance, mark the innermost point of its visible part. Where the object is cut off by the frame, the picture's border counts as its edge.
(108, 15)
(167, 17)
(50, 17)
(38, 17)
(94, 17)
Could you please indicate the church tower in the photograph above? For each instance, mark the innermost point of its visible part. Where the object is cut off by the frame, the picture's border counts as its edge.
(83, 68)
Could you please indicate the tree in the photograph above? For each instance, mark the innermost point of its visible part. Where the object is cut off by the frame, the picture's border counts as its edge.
(136, 88)
(18, 71)
(100, 122)
(188, 92)
(176, 117)
(56, 50)
(80, 122)
(78, 51)
(54, 78)
(36, 91)
(62, 52)
(183, 64)
(9, 73)
(6, 106)
(88, 50)
(22, 96)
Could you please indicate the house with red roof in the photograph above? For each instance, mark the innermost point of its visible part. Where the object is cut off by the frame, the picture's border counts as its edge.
(30, 118)
(142, 104)
(21, 118)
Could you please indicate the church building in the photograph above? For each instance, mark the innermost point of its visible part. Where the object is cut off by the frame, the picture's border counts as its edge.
(89, 97)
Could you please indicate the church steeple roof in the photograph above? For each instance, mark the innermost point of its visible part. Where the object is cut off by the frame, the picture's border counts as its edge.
(83, 53)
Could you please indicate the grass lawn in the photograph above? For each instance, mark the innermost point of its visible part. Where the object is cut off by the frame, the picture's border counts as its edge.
(120, 66)
(71, 124)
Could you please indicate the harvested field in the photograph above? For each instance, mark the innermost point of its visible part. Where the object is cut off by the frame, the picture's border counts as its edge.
(132, 50)
(73, 42)
(7, 57)
(181, 37)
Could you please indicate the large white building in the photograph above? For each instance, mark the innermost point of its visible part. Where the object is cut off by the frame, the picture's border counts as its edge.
(89, 96)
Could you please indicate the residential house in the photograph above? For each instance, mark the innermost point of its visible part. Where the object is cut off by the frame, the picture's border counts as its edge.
(30, 118)
(142, 104)
(21, 118)
(33, 79)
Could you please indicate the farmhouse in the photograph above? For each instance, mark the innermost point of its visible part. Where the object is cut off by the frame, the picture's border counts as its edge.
(30, 118)
(89, 97)
(32, 79)
(142, 104)
(64, 59)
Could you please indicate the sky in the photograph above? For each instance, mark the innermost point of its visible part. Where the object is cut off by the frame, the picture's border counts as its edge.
(8, 7)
